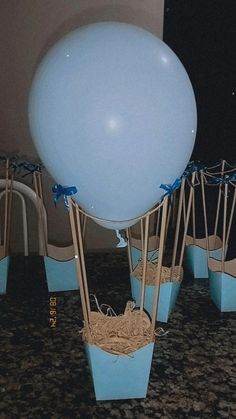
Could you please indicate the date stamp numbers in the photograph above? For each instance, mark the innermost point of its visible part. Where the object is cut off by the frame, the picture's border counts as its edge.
(53, 312)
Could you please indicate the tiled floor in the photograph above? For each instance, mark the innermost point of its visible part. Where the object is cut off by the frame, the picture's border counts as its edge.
(44, 372)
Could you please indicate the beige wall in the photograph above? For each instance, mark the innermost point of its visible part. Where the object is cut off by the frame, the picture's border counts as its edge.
(27, 29)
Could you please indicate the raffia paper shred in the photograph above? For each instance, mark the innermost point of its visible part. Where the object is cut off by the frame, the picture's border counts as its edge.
(167, 274)
(119, 335)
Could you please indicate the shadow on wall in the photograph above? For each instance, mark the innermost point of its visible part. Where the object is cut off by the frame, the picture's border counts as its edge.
(37, 26)
(113, 12)
(97, 237)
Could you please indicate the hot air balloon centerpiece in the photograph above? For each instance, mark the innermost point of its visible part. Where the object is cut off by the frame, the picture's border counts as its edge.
(112, 114)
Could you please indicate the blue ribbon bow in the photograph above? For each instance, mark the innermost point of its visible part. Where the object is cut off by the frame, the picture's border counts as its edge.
(29, 167)
(64, 191)
(223, 181)
(193, 167)
(171, 188)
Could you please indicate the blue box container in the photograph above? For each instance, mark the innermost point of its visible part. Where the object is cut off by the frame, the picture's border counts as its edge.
(4, 266)
(136, 250)
(196, 254)
(61, 275)
(120, 376)
(168, 294)
(223, 284)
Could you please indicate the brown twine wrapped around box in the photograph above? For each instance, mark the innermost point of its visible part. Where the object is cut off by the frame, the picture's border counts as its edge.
(174, 274)
(119, 335)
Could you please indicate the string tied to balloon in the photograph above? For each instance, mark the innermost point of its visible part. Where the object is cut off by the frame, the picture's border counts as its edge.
(170, 189)
(29, 168)
(63, 191)
(122, 242)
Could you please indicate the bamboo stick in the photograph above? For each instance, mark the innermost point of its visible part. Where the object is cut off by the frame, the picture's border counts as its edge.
(193, 215)
(9, 215)
(145, 253)
(78, 265)
(205, 215)
(224, 227)
(191, 195)
(184, 205)
(84, 224)
(6, 208)
(39, 176)
(158, 223)
(159, 265)
(142, 235)
(218, 203)
(42, 227)
(81, 249)
(168, 217)
(177, 228)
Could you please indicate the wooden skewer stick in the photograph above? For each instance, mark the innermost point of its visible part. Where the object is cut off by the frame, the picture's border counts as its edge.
(6, 208)
(159, 265)
(218, 202)
(193, 214)
(205, 215)
(9, 216)
(42, 227)
(158, 222)
(168, 216)
(39, 176)
(177, 228)
(142, 235)
(224, 228)
(78, 265)
(84, 224)
(81, 249)
(191, 195)
(184, 205)
(145, 254)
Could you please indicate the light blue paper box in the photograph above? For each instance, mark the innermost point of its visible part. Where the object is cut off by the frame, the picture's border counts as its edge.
(4, 265)
(61, 275)
(137, 255)
(136, 250)
(120, 376)
(222, 286)
(196, 255)
(168, 294)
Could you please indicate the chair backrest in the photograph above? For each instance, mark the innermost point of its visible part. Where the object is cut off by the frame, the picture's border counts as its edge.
(22, 190)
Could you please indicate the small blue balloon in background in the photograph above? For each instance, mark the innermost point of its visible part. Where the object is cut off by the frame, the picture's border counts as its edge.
(112, 111)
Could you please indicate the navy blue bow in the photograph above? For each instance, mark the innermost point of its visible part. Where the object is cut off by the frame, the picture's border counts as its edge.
(223, 181)
(64, 191)
(171, 188)
(193, 167)
(30, 168)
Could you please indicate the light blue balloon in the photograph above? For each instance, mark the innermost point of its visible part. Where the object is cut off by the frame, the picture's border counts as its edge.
(112, 112)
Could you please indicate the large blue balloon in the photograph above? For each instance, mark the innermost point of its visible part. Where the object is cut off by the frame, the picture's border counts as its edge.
(112, 112)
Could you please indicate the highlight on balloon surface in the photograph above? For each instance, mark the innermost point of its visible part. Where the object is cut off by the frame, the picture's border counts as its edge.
(113, 113)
